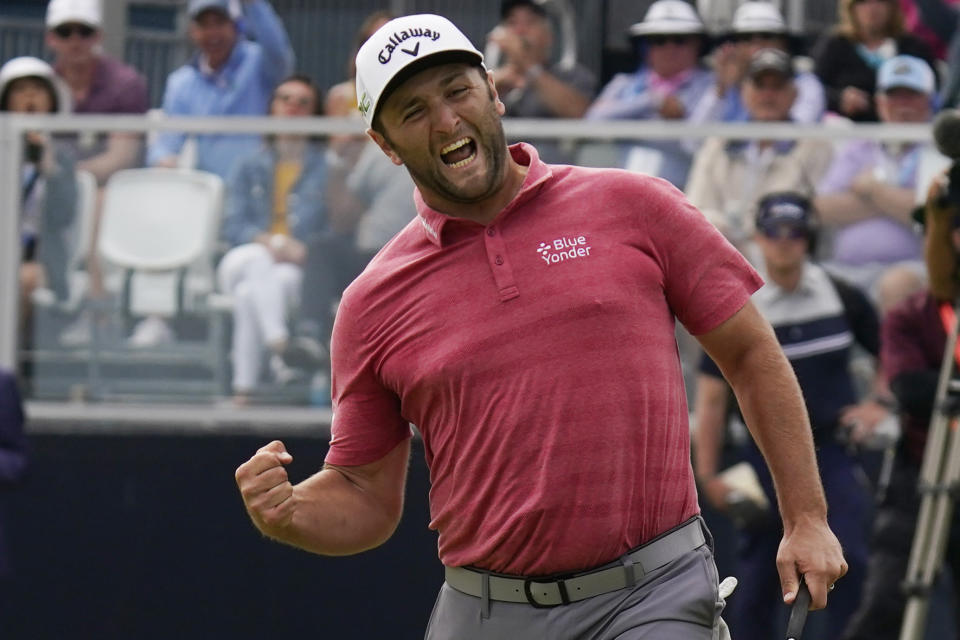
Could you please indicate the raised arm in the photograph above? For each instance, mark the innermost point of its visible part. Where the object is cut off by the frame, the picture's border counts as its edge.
(337, 511)
(267, 29)
(747, 352)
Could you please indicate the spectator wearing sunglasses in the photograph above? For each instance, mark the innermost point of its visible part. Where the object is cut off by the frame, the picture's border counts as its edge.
(730, 176)
(667, 85)
(98, 84)
(816, 318)
(755, 26)
(847, 59)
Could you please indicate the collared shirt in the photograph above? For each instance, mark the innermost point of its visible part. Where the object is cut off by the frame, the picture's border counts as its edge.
(537, 357)
(634, 96)
(878, 239)
(115, 88)
(729, 178)
(811, 325)
(241, 87)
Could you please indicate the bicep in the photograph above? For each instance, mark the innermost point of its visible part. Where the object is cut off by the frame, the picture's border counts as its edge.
(731, 343)
(382, 480)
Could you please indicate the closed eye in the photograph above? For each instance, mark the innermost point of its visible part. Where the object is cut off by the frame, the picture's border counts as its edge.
(412, 113)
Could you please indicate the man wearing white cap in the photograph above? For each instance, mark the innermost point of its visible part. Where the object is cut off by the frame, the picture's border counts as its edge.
(756, 25)
(666, 86)
(98, 83)
(524, 321)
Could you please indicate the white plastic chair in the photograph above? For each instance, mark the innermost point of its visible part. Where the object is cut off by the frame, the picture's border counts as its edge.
(160, 225)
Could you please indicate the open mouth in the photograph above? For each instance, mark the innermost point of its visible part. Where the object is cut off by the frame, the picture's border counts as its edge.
(460, 153)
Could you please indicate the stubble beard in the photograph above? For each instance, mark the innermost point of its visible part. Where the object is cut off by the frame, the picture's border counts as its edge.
(491, 139)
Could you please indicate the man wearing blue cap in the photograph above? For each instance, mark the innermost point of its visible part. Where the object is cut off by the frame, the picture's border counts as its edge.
(816, 318)
(868, 192)
(230, 76)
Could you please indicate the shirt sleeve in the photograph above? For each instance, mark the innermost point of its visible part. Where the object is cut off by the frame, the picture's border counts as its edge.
(847, 164)
(367, 423)
(169, 143)
(705, 279)
(267, 29)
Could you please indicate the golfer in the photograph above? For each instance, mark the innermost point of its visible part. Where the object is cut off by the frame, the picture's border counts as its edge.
(524, 322)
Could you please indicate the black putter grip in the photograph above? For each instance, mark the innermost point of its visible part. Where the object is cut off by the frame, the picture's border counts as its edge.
(798, 612)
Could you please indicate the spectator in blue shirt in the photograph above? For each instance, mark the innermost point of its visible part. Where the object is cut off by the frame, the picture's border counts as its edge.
(230, 75)
(756, 25)
(667, 85)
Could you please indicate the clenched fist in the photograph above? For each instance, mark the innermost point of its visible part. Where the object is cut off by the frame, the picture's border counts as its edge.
(266, 489)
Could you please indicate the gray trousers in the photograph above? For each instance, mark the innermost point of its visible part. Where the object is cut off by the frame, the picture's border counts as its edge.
(676, 602)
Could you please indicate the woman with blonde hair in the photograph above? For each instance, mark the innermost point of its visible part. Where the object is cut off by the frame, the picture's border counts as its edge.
(846, 59)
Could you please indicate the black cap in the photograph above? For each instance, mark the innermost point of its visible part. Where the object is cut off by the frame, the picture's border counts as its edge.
(785, 207)
(509, 5)
(770, 60)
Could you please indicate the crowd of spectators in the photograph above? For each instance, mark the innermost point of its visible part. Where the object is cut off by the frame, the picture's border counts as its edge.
(302, 216)
(317, 210)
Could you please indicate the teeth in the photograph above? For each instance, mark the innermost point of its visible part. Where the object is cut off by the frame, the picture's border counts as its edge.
(454, 146)
(464, 162)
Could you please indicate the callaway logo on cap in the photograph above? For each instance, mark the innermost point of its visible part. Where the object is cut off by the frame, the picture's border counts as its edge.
(402, 47)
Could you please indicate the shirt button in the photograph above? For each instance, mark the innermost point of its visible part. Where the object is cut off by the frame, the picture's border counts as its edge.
(491, 232)
(498, 260)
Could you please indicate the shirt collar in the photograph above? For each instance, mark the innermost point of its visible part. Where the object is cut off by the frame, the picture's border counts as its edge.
(204, 67)
(806, 286)
(435, 223)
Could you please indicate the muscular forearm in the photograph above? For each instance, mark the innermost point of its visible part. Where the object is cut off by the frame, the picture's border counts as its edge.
(843, 208)
(334, 516)
(773, 409)
(895, 202)
(338, 511)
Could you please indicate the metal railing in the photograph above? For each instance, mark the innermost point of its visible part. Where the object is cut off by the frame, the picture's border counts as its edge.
(568, 132)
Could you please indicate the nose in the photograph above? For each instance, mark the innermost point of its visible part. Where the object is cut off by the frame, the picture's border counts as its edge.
(446, 119)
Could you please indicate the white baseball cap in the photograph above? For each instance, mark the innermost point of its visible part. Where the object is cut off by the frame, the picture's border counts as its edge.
(758, 17)
(399, 49)
(908, 72)
(668, 17)
(30, 67)
(86, 12)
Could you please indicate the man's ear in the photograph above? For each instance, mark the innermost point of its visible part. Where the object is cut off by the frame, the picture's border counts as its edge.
(501, 108)
(385, 147)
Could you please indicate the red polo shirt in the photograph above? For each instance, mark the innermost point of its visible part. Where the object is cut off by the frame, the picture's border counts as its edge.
(537, 358)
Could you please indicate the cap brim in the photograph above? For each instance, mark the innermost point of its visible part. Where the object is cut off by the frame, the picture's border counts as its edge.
(432, 60)
(641, 30)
